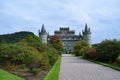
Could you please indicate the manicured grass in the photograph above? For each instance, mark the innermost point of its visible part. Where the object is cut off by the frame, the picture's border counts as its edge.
(54, 72)
(8, 76)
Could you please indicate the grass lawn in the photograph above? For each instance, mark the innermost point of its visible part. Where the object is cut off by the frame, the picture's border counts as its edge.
(8, 76)
(54, 72)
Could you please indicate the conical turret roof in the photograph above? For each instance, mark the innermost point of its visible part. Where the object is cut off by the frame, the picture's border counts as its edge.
(86, 27)
(43, 31)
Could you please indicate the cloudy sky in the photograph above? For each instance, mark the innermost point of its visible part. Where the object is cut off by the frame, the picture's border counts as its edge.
(102, 16)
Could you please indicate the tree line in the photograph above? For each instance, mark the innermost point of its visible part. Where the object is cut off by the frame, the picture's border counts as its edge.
(107, 51)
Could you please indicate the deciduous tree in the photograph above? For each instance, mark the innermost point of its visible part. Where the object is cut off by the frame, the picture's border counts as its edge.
(56, 42)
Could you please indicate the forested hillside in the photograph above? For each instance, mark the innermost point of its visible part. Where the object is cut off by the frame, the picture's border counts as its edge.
(14, 37)
(24, 53)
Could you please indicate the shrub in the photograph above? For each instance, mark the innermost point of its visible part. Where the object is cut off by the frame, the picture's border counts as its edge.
(107, 51)
(14, 53)
(79, 47)
(84, 52)
(35, 71)
(30, 40)
(25, 57)
(10, 66)
(52, 55)
(118, 60)
(22, 55)
(38, 60)
(56, 42)
(22, 66)
(44, 62)
(92, 53)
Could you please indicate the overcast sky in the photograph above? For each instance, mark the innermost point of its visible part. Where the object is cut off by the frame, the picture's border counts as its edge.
(102, 16)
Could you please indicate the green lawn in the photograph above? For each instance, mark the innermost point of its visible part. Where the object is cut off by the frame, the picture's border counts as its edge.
(8, 76)
(54, 72)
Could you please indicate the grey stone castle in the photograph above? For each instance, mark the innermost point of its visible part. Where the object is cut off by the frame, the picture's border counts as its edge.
(69, 38)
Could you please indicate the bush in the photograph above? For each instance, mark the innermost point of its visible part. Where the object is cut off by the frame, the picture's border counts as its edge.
(52, 55)
(84, 52)
(35, 71)
(29, 53)
(22, 66)
(39, 59)
(92, 53)
(45, 62)
(118, 60)
(79, 47)
(23, 55)
(30, 40)
(14, 53)
(107, 51)
(10, 66)
(56, 42)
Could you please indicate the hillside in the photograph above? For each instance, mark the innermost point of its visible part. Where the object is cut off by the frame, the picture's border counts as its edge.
(14, 37)
(27, 56)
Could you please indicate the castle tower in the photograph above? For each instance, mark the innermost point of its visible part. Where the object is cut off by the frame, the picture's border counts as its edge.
(43, 34)
(87, 34)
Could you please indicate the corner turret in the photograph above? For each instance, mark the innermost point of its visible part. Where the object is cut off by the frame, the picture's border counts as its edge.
(87, 34)
(43, 34)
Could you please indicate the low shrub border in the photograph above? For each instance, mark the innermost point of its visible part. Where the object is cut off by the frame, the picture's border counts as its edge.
(54, 72)
(8, 76)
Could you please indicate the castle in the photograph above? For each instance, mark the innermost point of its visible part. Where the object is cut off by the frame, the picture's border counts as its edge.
(69, 38)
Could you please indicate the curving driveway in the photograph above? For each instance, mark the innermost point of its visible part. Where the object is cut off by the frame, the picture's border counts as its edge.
(73, 68)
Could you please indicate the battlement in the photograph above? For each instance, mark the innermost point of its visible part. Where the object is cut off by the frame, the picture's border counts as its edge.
(69, 38)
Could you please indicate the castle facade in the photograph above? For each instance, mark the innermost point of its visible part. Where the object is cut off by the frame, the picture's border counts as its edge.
(69, 38)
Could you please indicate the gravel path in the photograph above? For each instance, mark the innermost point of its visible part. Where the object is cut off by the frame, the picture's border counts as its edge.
(73, 68)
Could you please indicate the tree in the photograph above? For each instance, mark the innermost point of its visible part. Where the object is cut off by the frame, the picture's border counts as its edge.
(80, 47)
(108, 50)
(56, 42)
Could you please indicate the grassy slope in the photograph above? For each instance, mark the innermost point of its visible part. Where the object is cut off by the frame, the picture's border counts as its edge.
(54, 72)
(7, 76)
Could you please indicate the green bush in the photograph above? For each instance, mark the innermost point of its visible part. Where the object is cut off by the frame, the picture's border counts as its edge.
(107, 51)
(45, 62)
(52, 55)
(25, 57)
(35, 71)
(22, 55)
(80, 47)
(16, 54)
(118, 60)
(22, 66)
(30, 40)
(29, 52)
(84, 52)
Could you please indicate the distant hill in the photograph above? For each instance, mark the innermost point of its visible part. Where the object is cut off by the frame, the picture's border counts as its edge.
(14, 37)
